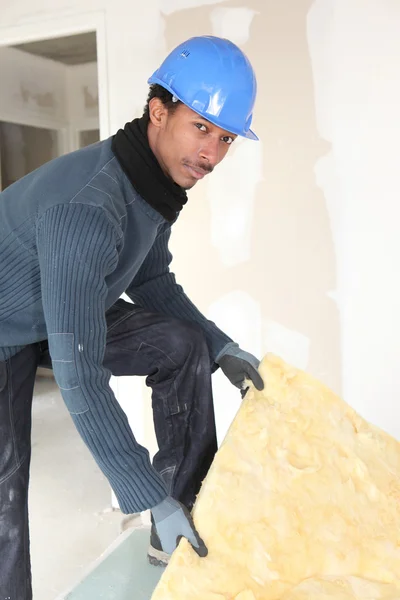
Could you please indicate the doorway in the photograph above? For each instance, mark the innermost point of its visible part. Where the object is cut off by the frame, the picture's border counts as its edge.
(53, 100)
(50, 104)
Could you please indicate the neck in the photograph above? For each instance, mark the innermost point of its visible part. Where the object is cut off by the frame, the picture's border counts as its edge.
(152, 136)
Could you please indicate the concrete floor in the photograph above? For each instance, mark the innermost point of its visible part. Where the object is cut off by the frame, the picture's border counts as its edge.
(70, 516)
(122, 573)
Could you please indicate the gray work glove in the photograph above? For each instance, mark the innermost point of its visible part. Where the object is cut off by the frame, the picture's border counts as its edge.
(173, 521)
(239, 365)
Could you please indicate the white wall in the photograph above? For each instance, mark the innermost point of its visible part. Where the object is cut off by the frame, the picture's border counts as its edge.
(302, 255)
(355, 52)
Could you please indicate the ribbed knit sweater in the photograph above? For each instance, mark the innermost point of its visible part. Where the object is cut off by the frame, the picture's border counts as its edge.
(74, 236)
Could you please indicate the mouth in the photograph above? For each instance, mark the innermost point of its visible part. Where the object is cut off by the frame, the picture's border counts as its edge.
(196, 172)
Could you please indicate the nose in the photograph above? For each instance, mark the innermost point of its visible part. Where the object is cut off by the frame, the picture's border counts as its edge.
(209, 152)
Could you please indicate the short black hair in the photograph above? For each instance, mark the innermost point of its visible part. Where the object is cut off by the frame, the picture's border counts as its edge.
(157, 91)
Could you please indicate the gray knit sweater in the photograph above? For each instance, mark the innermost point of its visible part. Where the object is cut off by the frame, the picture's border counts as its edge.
(75, 235)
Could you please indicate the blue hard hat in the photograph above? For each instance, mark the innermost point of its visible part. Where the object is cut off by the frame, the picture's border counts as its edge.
(213, 77)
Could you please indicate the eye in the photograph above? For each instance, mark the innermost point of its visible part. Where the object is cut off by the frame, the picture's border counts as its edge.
(201, 126)
(228, 139)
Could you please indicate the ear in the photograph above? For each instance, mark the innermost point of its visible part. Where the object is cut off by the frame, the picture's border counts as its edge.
(158, 112)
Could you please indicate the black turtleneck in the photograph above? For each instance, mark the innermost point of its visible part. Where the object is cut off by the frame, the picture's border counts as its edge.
(132, 149)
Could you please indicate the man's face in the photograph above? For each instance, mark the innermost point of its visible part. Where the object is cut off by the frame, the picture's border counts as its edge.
(186, 146)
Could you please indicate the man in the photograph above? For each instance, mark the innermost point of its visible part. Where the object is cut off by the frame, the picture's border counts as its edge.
(74, 235)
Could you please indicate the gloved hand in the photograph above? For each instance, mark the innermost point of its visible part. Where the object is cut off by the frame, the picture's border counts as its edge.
(239, 365)
(173, 521)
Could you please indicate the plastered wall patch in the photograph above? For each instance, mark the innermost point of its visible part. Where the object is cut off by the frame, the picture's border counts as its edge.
(239, 315)
(232, 192)
(30, 93)
(327, 178)
(168, 7)
(290, 345)
(232, 23)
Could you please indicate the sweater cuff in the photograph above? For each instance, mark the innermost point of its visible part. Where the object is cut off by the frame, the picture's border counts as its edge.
(225, 349)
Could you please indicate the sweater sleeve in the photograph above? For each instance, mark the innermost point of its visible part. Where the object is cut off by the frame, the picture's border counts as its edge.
(155, 288)
(77, 248)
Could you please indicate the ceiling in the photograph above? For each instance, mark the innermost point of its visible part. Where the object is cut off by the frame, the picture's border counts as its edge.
(70, 50)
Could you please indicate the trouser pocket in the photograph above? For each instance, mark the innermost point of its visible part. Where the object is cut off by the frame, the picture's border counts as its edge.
(17, 378)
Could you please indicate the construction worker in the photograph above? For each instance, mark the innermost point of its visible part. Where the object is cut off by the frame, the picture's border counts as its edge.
(74, 236)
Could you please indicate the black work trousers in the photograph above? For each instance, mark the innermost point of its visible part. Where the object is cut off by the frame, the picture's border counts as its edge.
(138, 343)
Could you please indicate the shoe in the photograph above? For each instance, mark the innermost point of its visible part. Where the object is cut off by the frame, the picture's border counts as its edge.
(155, 554)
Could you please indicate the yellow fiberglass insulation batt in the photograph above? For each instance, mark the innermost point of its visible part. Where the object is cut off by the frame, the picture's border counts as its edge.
(302, 502)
